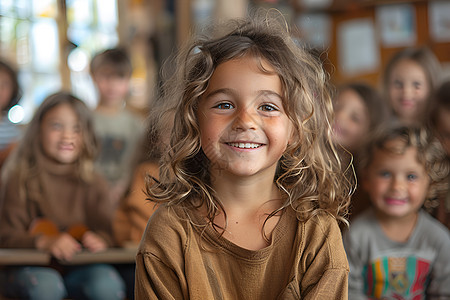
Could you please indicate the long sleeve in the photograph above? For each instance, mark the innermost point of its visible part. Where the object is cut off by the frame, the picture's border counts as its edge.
(134, 211)
(156, 280)
(99, 213)
(16, 215)
(160, 262)
(58, 196)
(325, 256)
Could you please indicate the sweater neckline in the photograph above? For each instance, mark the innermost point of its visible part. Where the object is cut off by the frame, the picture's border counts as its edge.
(53, 167)
(215, 238)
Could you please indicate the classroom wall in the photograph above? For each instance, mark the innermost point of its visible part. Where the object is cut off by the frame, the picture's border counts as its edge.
(347, 17)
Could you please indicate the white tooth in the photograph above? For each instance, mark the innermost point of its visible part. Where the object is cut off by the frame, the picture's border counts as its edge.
(244, 145)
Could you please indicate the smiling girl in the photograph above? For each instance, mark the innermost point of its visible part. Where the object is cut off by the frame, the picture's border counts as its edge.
(409, 81)
(250, 188)
(50, 177)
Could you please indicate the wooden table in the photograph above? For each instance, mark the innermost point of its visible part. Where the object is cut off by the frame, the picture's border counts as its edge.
(36, 257)
(23, 257)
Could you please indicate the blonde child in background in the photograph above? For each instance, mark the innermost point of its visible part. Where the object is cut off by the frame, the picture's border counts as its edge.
(9, 96)
(395, 249)
(49, 180)
(440, 122)
(118, 128)
(409, 80)
(251, 187)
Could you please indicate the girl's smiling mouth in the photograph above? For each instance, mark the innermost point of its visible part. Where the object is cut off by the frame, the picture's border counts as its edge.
(241, 145)
(396, 201)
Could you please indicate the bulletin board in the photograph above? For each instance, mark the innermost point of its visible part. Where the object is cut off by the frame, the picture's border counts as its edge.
(354, 22)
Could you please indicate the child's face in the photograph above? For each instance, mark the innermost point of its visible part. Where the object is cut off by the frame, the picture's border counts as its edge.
(351, 119)
(244, 128)
(397, 183)
(443, 128)
(61, 135)
(6, 89)
(112, 89)
(408, 90)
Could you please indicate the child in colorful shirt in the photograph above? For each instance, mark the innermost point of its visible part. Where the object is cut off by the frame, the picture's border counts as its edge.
(395, 249)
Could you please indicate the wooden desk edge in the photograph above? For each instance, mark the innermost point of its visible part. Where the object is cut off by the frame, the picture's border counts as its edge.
(35, 257)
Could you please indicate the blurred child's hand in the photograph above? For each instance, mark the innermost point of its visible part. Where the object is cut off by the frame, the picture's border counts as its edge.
(63, 247)
(93, 242)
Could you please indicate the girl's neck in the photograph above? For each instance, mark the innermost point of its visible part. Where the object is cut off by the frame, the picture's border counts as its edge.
(245, 192)
(398, 229)
(109, 109)
(247, 203)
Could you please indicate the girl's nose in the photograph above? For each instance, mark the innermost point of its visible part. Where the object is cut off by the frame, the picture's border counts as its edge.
(244, 120)
(398, 185)
(407, 91)
(68, 133)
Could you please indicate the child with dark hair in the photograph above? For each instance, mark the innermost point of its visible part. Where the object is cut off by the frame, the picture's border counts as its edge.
(358, 110)
(440, 122)
(118, 128)
(9, 96)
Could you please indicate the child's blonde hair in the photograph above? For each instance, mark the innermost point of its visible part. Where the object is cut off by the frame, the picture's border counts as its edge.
(309, 172)
(23, 161)
(429, 152)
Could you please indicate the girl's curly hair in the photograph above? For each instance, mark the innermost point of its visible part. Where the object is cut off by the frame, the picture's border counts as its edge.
(309, 173)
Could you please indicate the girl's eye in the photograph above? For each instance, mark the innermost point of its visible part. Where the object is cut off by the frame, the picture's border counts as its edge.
(77, 129)
(56, 126)
(355, 118)
(397, 84)
(411, 177)
(268, 107)
(384, 174)
(417, 85)
(224, 106)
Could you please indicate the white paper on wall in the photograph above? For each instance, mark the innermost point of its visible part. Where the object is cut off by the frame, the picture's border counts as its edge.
(357, 47)
(397, 25)
(439, 19)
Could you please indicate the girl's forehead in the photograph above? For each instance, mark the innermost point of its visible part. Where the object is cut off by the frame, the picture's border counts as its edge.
(408, 63)
(61, 110)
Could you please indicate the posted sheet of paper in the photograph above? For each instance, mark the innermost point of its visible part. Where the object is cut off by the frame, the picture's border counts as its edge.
(315, 29)
(439, 19)
(397, 25)
(357, 47)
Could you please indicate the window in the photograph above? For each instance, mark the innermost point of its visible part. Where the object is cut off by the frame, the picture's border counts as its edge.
(52, 51)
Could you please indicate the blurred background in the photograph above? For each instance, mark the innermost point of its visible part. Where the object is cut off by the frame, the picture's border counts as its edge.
(51, 42)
